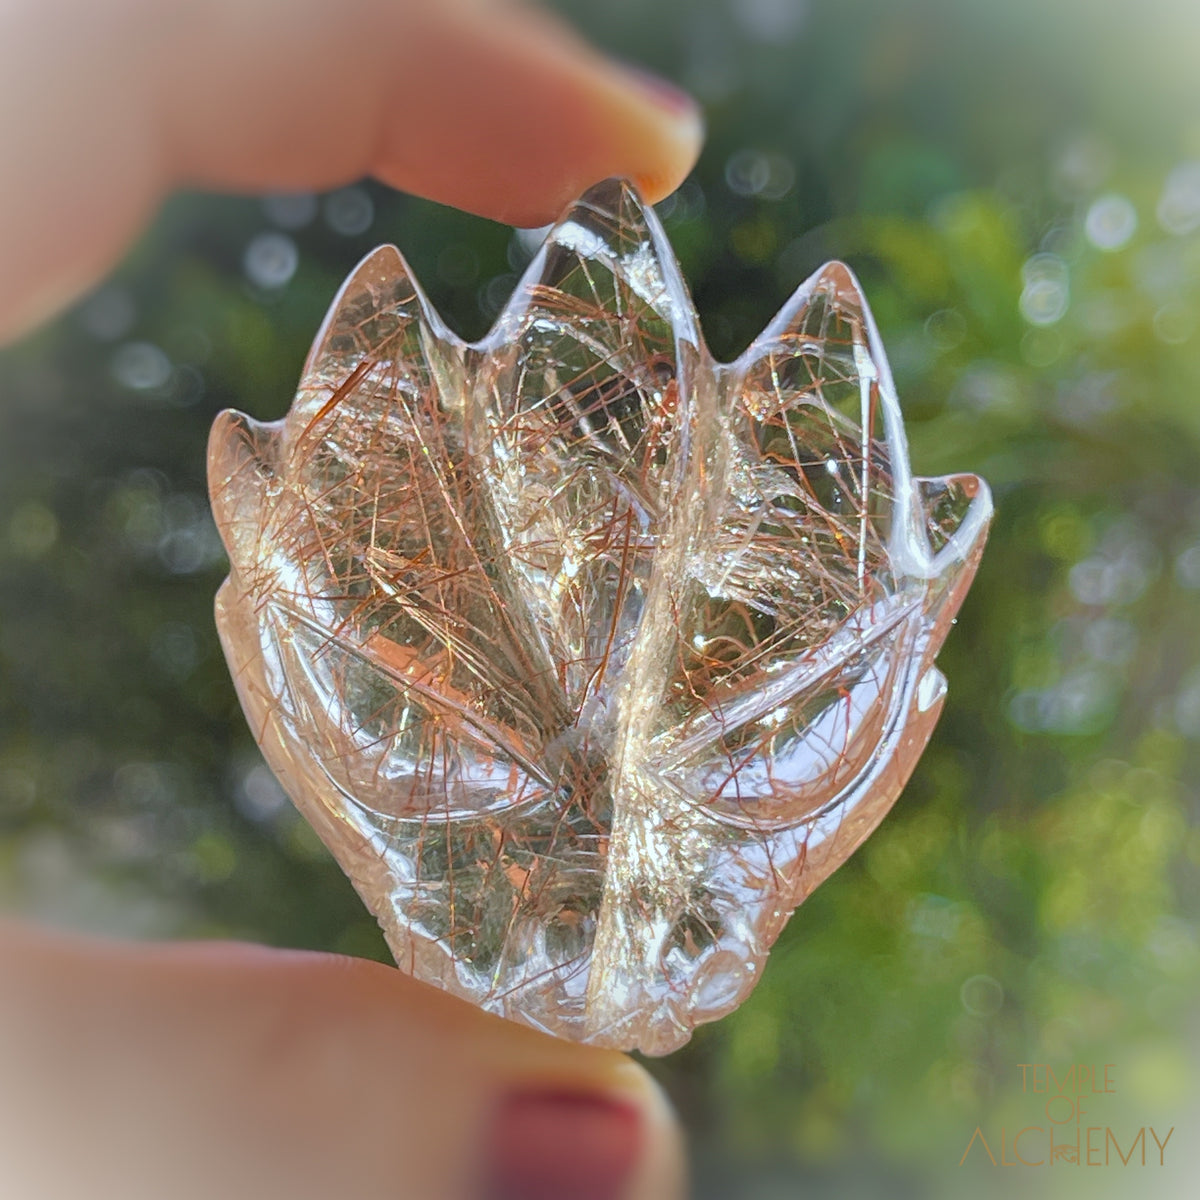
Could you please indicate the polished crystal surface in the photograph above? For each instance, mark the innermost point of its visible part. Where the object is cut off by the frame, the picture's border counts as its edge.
(587, 656)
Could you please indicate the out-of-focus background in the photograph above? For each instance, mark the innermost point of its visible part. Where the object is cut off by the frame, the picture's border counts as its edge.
(1018, 186)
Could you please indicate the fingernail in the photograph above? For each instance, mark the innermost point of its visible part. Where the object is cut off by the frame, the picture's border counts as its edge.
(664, 93)
(562, 1145)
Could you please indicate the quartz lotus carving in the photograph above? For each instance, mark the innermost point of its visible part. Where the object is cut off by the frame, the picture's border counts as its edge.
(587, 656)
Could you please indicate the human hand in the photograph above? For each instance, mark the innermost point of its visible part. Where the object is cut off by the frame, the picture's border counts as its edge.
(488, 105)
(198, 1070)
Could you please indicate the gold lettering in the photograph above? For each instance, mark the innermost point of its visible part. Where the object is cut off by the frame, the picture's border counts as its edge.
(1092, 1129)
(1162, 1146)
(1024, 1076)
(1064, 1151)
(977, 1134)
(1109, 1084)
(1141, 1137)
(1004, 1148)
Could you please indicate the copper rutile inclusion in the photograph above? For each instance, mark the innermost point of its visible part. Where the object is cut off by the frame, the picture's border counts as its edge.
(587, 656)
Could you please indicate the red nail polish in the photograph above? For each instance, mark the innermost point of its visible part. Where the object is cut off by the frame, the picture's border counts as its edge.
(561, 1145)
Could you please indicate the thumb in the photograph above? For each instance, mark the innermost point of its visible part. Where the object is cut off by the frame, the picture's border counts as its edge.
(211, 1069)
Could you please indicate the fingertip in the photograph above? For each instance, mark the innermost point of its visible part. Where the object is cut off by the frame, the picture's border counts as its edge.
(662, 1171)
(598, 1139)
(522, 117)
(538, 1117)
(497, 108)
(641, 125)
(662, 131)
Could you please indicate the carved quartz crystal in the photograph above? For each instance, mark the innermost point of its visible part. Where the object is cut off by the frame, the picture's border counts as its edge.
(589, 657)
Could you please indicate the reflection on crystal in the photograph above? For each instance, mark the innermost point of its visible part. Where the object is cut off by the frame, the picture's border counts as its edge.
(588, 657)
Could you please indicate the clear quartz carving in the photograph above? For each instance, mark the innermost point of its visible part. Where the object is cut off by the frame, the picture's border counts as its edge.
(587, 656)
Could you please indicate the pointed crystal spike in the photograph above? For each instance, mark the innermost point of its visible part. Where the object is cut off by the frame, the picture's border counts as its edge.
(797, 534)
(376, 305)
(241, 466)
(956, 511)
(586, 393)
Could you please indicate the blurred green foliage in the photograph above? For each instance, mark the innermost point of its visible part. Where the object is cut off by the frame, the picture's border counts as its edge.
(1018, 186)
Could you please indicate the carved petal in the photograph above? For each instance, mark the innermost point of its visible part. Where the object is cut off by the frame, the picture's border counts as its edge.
(396, 636)
(586, 395)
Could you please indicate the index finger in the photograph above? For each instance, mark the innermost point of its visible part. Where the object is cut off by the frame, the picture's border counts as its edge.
(487, 105)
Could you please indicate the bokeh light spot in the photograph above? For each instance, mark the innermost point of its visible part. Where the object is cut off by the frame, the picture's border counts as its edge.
(1110, 222)
(349, 211)
(141, 366)
(759, 173)
(270, 260)
(1178, 208)
(1175, 323)
(108, 314)
(1047, 293)
(290, 210)
(770, 20)
(981, 996)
